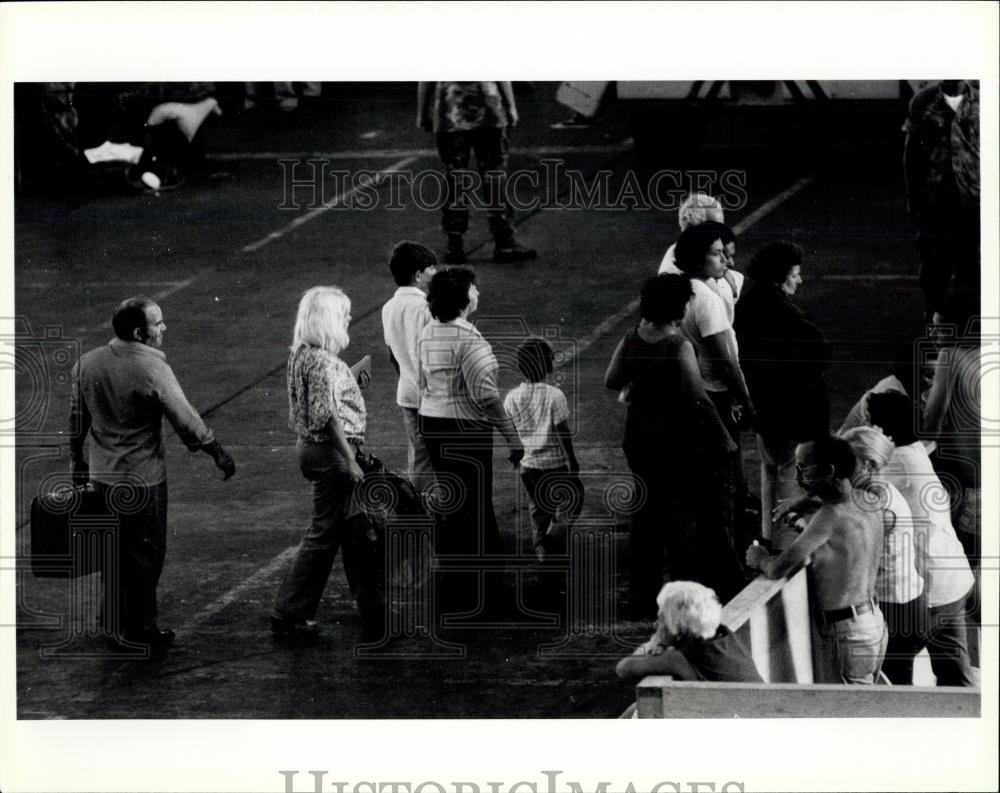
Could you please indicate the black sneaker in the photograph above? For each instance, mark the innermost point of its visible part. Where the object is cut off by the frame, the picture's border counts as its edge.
(508, 252)
(455, 254)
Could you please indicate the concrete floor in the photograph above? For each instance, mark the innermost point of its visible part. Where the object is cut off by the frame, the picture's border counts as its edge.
(229, 312)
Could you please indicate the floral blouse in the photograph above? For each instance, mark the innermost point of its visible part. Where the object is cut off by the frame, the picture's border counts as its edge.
(319, 384)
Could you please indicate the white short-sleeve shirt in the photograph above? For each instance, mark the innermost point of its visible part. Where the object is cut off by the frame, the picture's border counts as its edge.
(898, 580)
(939, 554)
(535, 409)
(706, 316)
(728, 290)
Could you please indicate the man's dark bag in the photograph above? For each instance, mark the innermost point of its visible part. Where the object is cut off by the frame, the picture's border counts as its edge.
(72, 532)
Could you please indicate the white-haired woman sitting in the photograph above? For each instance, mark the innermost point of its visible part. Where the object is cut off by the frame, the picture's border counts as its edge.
(690, 643)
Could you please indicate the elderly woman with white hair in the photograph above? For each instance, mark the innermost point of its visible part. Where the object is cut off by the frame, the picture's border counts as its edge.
(898, 586)
(327, 413)
(695, 209)
(690, 643)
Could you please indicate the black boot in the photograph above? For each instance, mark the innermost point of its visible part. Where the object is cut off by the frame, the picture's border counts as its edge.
(508, 251)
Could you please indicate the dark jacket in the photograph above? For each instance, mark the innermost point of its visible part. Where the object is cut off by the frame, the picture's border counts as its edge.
(941, 153)
(783, 356)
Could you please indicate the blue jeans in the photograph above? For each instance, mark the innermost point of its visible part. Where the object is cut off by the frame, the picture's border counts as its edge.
(948, 644)
(300, 592)
(859, 645)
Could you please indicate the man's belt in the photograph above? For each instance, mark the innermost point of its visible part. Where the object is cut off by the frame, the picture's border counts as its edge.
(849, 612)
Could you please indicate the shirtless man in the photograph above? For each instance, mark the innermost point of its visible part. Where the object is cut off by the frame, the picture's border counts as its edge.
(844, 541)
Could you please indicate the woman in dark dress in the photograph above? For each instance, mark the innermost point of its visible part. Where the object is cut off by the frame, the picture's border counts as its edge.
(675, 443)
(783, 356)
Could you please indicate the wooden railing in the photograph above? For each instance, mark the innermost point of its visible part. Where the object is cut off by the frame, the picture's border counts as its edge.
(665, 698)
(773, 619)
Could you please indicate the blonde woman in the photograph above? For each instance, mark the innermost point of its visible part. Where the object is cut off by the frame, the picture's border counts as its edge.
(327, 413)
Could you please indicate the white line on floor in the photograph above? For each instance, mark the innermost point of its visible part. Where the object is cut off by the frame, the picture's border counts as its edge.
(754, 217)
(156, 297)
(408, 158)
(586, 343)
(768, 207)
(314, 213)
(177, 286)
(385, 154)
(92, 284)
(261, 576)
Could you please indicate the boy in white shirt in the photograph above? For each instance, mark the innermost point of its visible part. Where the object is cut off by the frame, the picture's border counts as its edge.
(549, 468)
(403, 318)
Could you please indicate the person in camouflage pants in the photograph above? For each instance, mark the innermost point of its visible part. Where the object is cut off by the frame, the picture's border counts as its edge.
(467, 118)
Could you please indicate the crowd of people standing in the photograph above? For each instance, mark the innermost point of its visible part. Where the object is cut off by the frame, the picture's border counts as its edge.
(713, 355)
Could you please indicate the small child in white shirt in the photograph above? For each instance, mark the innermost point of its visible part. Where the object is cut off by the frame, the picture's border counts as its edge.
(549, 469)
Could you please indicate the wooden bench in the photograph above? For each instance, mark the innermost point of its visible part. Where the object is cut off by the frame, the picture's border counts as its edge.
(773, 619)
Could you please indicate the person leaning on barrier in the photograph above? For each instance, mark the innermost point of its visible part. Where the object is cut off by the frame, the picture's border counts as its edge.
(121, 392)
(844, 540)
(940, 559)
(898, 586)
(689, 642)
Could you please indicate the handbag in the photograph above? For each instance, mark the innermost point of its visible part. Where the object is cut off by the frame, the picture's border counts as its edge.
(72, 532)
(390, 525)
